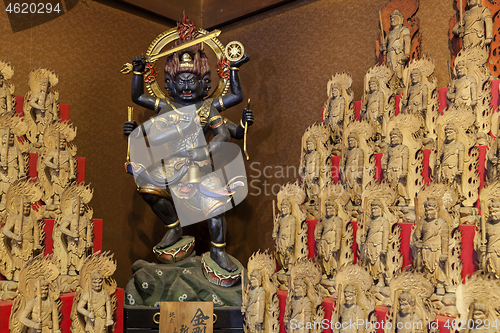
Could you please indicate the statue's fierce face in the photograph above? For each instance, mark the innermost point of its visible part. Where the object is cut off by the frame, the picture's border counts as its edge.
(405, 307)
(285, 207)
(395, 20)
(26, 209)
(431, 212)
(330, 209)
(450, 134)
(495, 212)
(473, 3)
(376, 211)
(187, 87)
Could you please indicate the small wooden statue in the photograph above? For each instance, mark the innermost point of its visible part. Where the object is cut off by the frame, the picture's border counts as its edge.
(21, 236)
(378, 102)
(354, 166)
(475, 26)
(41, 313)
(12, 164)
(433, 243)
(93, 307)
(488, 243)
(402, 162)
(375, 240)
(354, 301)
(477, 301)
(457, 156)
(315, 153)
(338, 109)
(56, 167)
(72, 234)
(36, 308)
(42, 107)
(6, 88)
(303, 299)
(356, 162)
(260, 299)
(290, 228)
(378, 233)
(463, 89)
(397, 44)
(328, 235)
(411, 310)
(420, 97)
(395, 164)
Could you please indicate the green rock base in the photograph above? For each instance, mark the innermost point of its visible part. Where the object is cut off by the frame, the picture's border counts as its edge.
(183, 281)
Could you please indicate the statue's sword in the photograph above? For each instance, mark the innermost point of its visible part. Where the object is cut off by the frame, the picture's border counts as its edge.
(127, 68)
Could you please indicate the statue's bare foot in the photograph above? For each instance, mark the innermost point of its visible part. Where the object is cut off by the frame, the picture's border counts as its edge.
(171, 236)
(220, 256)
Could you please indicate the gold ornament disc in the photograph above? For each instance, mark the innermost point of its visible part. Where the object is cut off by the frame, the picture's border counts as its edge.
(234, 51)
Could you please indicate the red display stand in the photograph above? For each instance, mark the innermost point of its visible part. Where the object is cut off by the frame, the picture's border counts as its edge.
(67, 303)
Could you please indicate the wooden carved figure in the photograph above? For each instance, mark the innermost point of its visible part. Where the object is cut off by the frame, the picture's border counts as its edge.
(22, 234)
(187, 83)
(356, 163)
(411, 309)
(457, 156)
(12, 160)
(473, 86)
(355, 302)
(420, 97)
(303, 307)
(463, 89)
(256, 305)
(375, 241)
(335, 207)
(36, 308)
(477, 304)
(488, 240)
(72, 234)
(475, 26)
(378, 102)
(416, 100)
(402, 161)
(328, 235)
(93, 305)
(41, 313)
(338, 109)
(260, 299)
(42, 104)
(433, 243)
(493, 160)
(290, 228)
(397, 44)
(7, 98)
(56, 166)
(314, 155)
(395, 164)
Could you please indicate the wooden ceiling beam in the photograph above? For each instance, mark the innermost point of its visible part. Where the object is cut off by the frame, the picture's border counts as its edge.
(171, 9)
(216, 13)
(207, 14)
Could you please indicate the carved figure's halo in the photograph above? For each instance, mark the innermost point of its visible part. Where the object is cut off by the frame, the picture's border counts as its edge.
(170, 36)
(234, 51)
